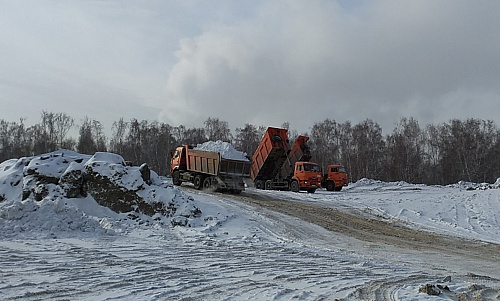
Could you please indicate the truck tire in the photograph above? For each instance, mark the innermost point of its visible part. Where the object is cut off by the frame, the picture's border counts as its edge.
(294, 186)
(259, 184)
(330, 186)
(339, 188)
(198, 182)
(176, 178)
(209, 185)
(268, 184)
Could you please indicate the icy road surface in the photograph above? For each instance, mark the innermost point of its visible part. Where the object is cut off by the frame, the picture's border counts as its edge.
(276, 246)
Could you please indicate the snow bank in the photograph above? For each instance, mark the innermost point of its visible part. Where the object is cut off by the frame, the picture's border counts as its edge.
(377, 185)
(51, 217)
(105, 194)
(11, 178)
(477, 186)
(226, 150)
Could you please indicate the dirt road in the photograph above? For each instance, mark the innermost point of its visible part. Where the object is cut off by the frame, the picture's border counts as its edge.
(375, 229)
(438, 253)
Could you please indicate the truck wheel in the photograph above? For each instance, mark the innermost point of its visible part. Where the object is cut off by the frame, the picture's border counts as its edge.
(176, 178)
(330, 186)
(268, 185)
(338, 188)
(209, 185)
(294, 186)
(259, 184)
(198, 182)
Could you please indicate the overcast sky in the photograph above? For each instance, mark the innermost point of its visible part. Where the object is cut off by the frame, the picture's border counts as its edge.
(259, 62)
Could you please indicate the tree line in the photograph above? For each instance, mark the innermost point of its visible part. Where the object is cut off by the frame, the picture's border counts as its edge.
(458, 150)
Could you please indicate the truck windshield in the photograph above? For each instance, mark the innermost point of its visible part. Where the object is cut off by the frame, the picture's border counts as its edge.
(342, 169)
(311, 167)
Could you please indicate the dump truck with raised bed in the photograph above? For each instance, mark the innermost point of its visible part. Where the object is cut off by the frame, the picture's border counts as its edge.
(335, 178)
(299, 153)
(275, 166)
(208, 170)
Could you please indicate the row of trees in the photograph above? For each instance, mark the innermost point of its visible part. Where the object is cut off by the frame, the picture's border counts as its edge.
(437, 154)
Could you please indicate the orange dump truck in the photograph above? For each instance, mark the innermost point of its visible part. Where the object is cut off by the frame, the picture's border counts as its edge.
(208, 170)
(335, 178)
(276, 166)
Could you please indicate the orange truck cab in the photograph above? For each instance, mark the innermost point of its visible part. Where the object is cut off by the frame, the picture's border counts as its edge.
(335, 178)
(306, 176)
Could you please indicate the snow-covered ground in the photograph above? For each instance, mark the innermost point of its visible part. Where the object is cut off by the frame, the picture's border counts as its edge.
(62, 248)
(451, 210)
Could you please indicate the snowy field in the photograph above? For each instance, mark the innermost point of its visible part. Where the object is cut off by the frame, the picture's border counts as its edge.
(74, 249)
(451, 210)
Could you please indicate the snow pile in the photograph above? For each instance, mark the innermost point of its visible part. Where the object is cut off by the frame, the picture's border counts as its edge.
(113, 167)
(51, 217)
(42, 172)
(11, 177)
(64, 191)
(370, 184)
(225, 149)
(377, 185)
(33, 204)
(478, 186)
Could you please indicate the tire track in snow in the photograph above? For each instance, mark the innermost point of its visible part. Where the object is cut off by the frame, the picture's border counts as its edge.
(447, 250)
(153, 264)
(376, 229)
(164, 267)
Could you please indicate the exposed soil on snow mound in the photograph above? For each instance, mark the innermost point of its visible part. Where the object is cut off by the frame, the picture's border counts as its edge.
(38, 193)
(52, 168)
(116, 186)
(226, 150)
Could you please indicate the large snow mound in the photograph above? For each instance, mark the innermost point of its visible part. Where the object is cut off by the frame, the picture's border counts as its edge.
(57, 193)
(225, 149)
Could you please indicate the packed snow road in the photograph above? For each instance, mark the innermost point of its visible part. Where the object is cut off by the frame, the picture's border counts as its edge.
(368, 229)
(380, 236)
(247, 259)
(374, 229)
